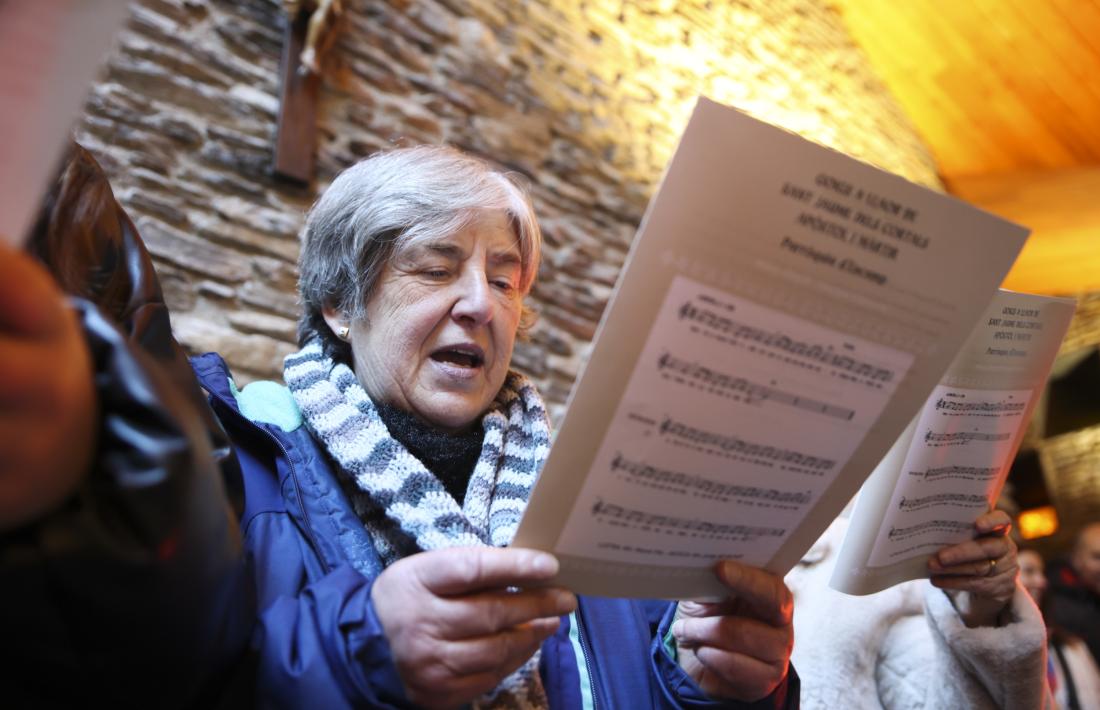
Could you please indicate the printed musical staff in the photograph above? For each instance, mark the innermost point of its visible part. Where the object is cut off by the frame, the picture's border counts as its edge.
(961, 438)
(956, 407)
(727, 445)
(968, 473)
(959, 500)
(685, 483)
(751, 391)
(619, 516)
(949, 526)
(810, 352)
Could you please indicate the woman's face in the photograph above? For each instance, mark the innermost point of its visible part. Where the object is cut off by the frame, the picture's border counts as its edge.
(1031, 574)
(439, 329)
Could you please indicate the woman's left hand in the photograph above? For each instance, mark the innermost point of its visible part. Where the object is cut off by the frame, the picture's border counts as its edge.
(979, 574)
(738, 648)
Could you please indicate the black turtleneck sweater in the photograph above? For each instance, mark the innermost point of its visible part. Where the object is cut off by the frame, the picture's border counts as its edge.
(451, 457)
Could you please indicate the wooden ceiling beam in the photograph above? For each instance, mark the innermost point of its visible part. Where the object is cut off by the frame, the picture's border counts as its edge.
(992, 85)
(1062, 209)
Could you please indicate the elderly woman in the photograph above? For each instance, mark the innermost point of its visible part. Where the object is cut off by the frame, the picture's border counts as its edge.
(384, 482)
(969, 637)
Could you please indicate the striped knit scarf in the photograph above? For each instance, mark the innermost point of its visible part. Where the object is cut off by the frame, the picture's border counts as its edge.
(402, 504)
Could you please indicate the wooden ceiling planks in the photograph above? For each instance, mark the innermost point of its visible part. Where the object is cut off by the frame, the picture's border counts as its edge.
(1062, 209)
(992, 85)
(1006, 94)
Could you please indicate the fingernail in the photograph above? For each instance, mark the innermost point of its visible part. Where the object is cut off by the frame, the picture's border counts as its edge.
(677, 629)
(728, 571)
(547, 625)
(565, 600)
(545, 564)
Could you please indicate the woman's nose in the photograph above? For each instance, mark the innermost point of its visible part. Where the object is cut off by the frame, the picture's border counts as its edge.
(474, 305)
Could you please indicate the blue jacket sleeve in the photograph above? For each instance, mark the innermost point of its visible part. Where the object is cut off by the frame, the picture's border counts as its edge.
(682, 692)
(325, 648)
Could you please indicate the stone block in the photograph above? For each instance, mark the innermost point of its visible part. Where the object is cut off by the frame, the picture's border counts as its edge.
(199, 256)
(164, 207)
(277, 327)
(249, 241)
(254, 353)
(434, 18)
(280, 301)
(158, 83)
(263, 101)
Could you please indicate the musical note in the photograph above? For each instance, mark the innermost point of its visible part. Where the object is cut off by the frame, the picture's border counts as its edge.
(952, 526)
(962, 500)
(962, 438)
(814, 352)
(690, 482)
(950, 405)
(751, 391)
(964, 472)
(617, 515)
(735, 445)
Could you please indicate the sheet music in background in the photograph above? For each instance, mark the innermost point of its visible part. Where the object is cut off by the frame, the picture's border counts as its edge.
(49, 53)
(952, 462)
(784, 311)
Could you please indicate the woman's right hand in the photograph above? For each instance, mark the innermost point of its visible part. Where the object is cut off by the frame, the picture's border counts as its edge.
(456, 624)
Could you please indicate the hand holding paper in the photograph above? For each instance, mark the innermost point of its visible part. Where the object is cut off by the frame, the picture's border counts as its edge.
(949, 466)
(454, 627)
(739, 647)
(980, 574)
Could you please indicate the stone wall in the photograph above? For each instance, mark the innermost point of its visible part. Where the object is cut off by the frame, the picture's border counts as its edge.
(585, 98)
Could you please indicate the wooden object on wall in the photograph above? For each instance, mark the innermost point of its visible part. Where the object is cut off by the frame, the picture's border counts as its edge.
(297, 119)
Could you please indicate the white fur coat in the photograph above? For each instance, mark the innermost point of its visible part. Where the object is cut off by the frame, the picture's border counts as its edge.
(906, 648)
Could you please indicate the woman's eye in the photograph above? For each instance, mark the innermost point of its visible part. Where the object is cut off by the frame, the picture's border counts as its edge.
(437, 273)
(503, 284)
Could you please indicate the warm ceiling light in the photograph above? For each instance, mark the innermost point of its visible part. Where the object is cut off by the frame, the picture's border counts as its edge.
(1038, 522)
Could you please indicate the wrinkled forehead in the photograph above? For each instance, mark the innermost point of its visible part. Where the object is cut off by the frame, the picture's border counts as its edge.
(495, 231)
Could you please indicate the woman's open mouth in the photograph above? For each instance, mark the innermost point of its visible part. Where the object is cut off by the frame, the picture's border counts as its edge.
(464, 356)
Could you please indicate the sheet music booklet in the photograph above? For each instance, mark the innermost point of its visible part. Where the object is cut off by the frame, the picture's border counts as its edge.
(785, 314)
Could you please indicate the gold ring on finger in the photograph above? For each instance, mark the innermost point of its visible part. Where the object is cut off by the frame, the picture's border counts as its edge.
(992, 568)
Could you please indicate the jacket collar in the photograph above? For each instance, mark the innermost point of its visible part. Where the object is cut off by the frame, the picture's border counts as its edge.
(301, 479)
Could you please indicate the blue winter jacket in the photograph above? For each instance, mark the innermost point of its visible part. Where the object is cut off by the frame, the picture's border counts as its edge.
(318, 641)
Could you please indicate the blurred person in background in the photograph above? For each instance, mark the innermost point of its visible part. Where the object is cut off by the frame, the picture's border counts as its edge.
(1074, 593)
(1071, 671)
(967, 637)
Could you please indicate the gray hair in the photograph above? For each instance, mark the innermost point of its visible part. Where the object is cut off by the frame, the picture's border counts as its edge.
(391, 201)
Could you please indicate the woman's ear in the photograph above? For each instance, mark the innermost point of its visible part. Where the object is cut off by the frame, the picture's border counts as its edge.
(337, 321)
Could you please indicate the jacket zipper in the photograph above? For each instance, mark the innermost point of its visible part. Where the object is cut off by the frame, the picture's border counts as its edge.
(583, 638)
